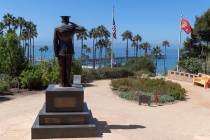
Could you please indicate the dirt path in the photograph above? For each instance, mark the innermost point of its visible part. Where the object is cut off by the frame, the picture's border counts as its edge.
(120, 119)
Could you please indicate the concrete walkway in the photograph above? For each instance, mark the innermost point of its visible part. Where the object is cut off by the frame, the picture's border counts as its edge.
(119, 119)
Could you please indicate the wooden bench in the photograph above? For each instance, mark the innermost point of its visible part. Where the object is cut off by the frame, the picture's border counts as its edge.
(203, 80)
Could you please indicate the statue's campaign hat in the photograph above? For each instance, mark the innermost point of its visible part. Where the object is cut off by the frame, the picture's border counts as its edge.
(65, 18)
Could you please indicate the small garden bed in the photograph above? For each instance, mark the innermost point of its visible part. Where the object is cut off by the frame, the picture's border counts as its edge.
(132, 88)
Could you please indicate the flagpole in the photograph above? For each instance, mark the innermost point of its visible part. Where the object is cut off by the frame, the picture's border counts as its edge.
(178, 50)
(112, 42)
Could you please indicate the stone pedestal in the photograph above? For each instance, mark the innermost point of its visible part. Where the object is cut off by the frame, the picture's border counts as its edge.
(64, 115)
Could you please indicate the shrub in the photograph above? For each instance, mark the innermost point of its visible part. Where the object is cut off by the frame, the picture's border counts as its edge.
(150, 87)
(50, 73)
(143, 63)
(105, 73)
(89, 75)
(40, 76)
(32, 78)
(4, 86)
(192, 65)
(165, 98)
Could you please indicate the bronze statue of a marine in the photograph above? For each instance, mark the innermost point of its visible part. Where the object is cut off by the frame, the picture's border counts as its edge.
(64, 47)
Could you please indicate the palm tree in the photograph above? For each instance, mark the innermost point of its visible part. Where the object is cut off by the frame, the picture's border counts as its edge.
(33, 35)
(156, 52)
(165, 44)
(41, 50)
(24, 36)
(82, 36)
(145, 46)
(103, 32)
(45, 49)
(137, 38)
(93, 33)
(9, 21)
(134, 45)
(86, 52)
(20, 21)
(127, 35)
(102, 43)
(30, 29)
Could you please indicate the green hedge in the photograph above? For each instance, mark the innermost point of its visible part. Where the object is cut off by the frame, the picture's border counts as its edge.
(40, 76)
(4, 86)
(89, 75)
(167, 89)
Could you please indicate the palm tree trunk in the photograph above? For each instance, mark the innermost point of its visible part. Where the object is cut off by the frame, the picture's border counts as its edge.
(33, 50)
(94, 54)
(20, 37)
(127, 51)
(100, 57)
(41, 56)
(136, 51)
(156, 65)
(28, 50)
(165, 61)
(206, 57)
(81, 57)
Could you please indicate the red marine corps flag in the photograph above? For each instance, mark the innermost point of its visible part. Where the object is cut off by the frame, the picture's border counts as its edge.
(185, 25)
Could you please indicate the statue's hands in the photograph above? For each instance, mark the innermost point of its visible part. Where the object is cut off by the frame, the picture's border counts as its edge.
(78, 27)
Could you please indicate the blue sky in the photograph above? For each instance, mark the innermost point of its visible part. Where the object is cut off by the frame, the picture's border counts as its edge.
(154, 20)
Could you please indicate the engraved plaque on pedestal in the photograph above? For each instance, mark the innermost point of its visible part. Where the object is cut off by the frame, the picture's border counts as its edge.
(64, 102)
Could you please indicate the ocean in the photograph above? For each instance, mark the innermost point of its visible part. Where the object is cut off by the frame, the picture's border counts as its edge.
(171, 55)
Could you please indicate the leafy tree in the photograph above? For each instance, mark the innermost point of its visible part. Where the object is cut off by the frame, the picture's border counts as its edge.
(202, 29)
(197, 46)
(192, 65)
(2, 26)
(127, 35)
(12, 59)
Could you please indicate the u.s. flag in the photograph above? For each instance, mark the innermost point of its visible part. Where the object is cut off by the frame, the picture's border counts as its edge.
(113, 29)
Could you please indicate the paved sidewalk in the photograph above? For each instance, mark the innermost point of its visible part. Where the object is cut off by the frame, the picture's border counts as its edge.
(119, 119)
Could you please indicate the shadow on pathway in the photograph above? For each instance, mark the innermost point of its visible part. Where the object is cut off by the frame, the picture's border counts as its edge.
(103, 127)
